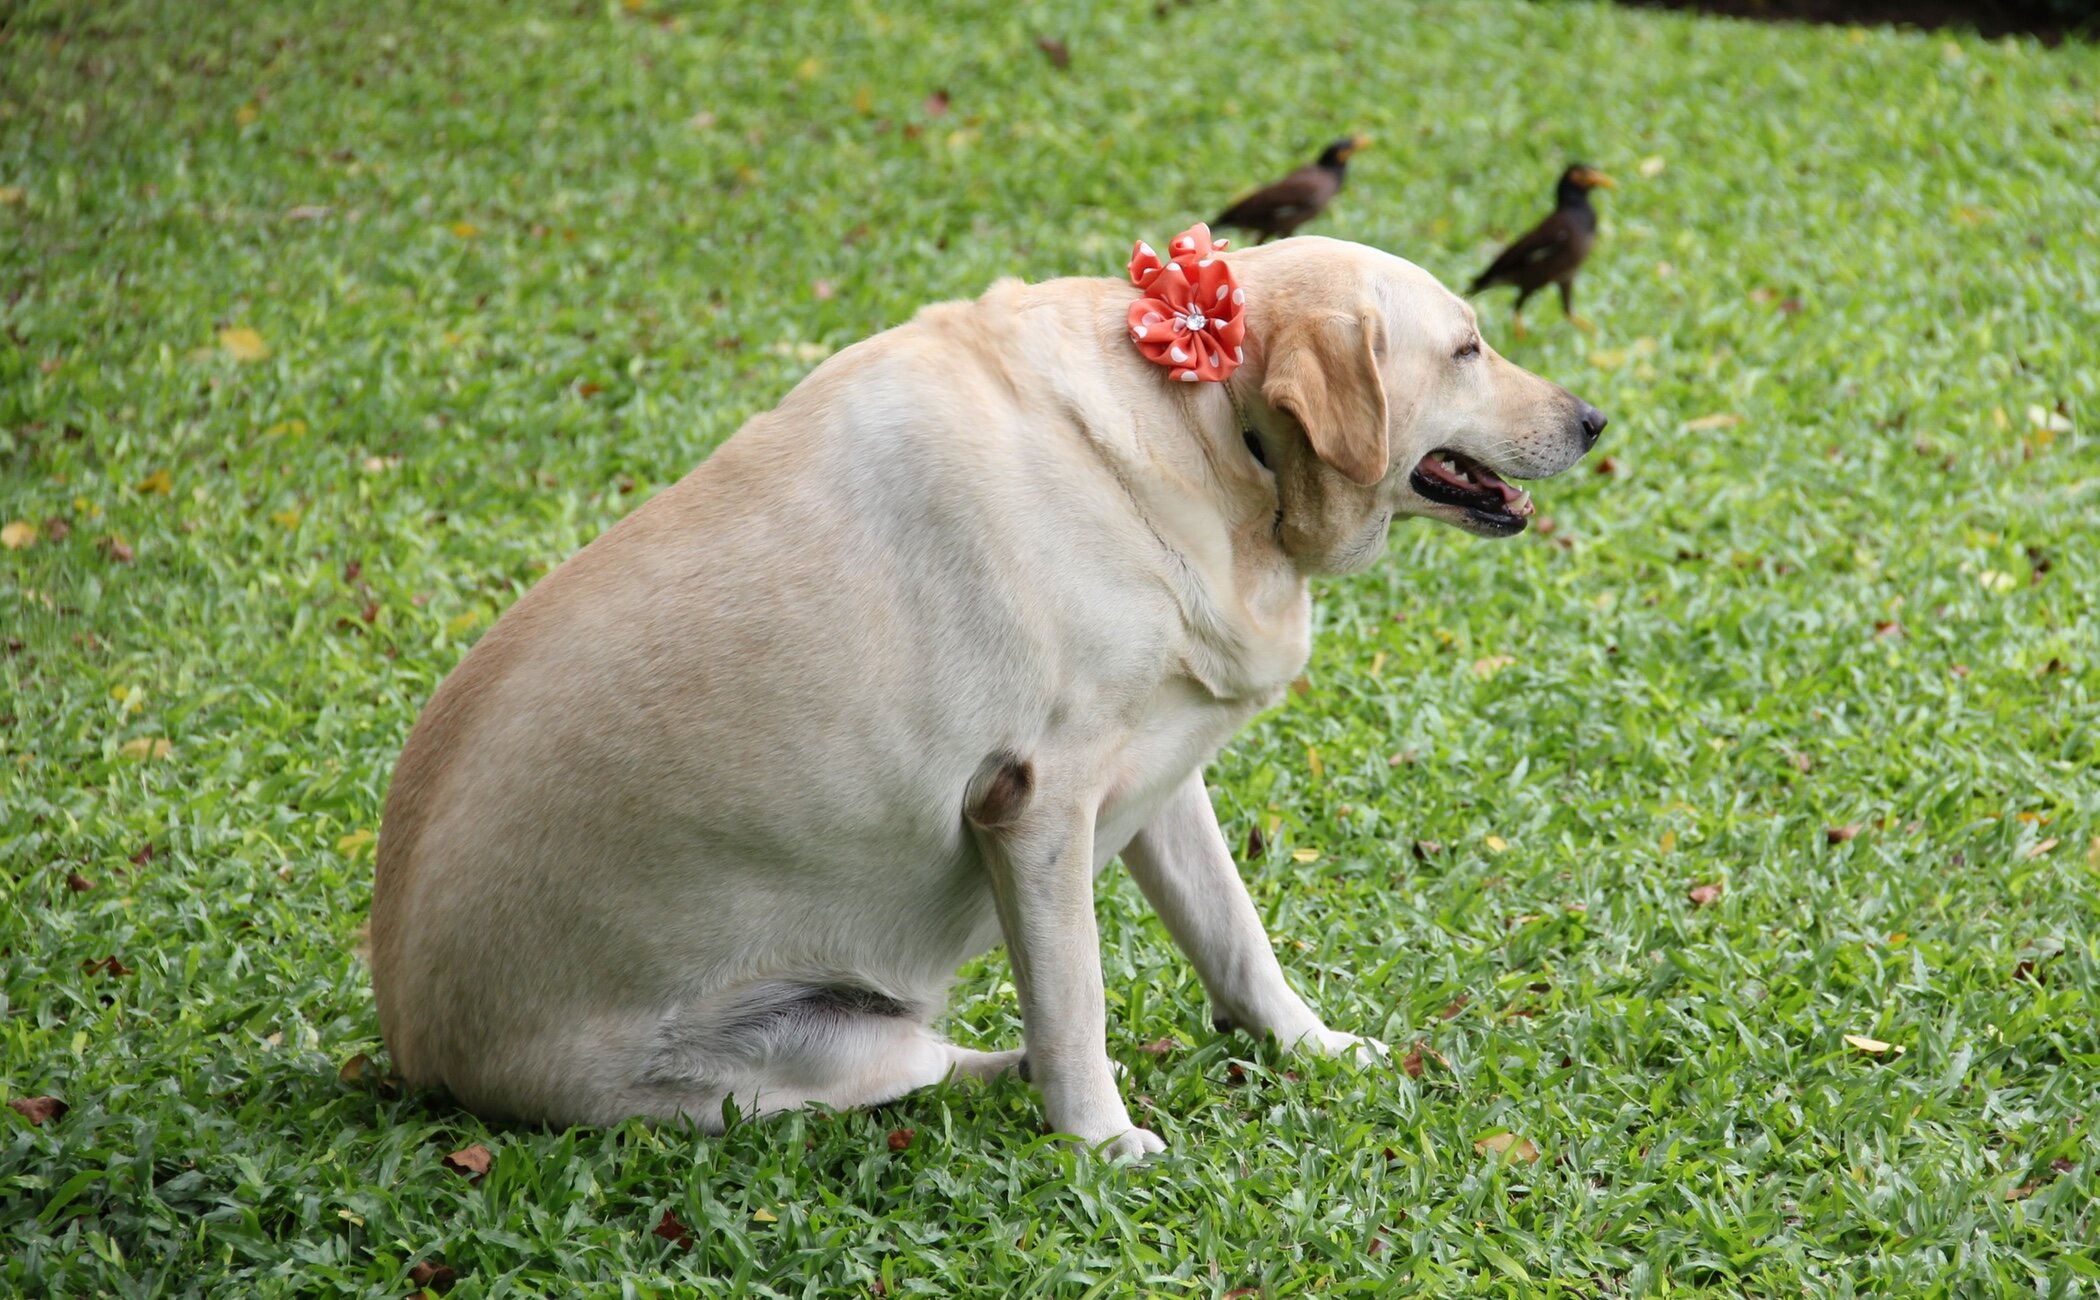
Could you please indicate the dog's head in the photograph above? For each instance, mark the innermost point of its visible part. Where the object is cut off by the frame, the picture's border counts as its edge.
(1379, 398)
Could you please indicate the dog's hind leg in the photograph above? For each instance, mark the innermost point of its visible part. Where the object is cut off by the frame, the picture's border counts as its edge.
(777, 1047)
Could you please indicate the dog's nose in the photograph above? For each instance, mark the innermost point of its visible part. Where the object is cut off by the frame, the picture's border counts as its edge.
(1593, 422)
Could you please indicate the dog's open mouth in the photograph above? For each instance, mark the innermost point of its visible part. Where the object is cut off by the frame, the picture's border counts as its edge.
(1454, 480)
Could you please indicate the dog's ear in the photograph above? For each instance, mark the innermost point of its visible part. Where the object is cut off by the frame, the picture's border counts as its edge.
(1323, 373)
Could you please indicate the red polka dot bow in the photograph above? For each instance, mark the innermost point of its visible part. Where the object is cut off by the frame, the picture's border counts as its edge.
(1192, 317)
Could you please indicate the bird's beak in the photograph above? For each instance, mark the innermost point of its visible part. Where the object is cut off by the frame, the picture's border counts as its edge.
(1359, 142)
(1593, 179)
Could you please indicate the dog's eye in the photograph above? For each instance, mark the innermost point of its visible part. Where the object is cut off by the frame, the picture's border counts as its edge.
(1467, 350)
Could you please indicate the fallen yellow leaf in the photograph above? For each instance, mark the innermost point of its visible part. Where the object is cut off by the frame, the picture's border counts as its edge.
(283, 427)
(1871, 1046)
(1305, 855)
(355, 843)
(809, 69)
(864, 101)
(1608, 358)
(1669, 841)
(159, 483)
(246, 114)
(1724, 420)
(465, 229)
(764, 1216)
(10, 195)
(243, 344)
(1496, 843)
(1651, 166)
(285, 518)
(2042, 848)
(17, 535)
(464, 622)
(2045, 420)
(1312, 760)
(1491, 665)
(1377, 663)
(145, 747)
(1518, 1150)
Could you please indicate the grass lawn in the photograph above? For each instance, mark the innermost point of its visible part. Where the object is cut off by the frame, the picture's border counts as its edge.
(331, 327)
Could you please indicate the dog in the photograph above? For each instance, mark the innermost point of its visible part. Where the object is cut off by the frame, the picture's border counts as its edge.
(713, 813)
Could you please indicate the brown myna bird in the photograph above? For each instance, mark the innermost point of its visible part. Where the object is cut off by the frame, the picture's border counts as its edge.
(1553, 250)
(1277, 210)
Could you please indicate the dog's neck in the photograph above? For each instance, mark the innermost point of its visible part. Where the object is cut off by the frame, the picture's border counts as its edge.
(1183, 456)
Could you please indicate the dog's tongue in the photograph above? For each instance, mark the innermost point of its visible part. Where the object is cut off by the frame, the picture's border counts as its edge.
(1476, 477)
(1514, 498)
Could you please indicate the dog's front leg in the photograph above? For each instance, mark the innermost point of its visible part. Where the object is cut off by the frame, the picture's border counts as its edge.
(1039, 852)
(1181, 862)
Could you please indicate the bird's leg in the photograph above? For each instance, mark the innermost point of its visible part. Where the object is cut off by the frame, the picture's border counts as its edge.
(1567, 307)
(1516, 315)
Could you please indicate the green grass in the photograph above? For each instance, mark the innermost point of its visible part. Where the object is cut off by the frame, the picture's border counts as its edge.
(1878, 254)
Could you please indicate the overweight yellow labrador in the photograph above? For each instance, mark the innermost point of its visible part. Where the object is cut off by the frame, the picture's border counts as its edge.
(716, 810)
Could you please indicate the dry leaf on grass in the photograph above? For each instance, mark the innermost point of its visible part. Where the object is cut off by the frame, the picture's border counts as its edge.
(1871, 1046)
(764, 1216)
(78, 883)
(1158, 1046)
(1722, 421)
(18, 535)
(671, 1230)
(1518, 1150)
(146, 747)
(353, 1070)
(1458, 1004)
(472, 1161)
(1840, 834)
(104, 966)
(2038, 850)
(243, 344)
(434, 1277)
(355, 843)
(38, 1109)
(1705, 895)
(1305, 855)
(900, 1138)
(1054, 50)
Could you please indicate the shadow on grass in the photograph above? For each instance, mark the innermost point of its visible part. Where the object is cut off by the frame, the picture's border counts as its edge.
(2052, 21)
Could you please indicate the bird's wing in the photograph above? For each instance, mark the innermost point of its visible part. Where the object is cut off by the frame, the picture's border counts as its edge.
(1299, 194)
(1544, 241)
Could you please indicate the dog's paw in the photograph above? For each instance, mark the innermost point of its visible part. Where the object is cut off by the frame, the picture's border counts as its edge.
(1348, 1047)
(1130, 1144)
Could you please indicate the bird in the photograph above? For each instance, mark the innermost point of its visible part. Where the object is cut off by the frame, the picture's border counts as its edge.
(1552, 251)
(1281, 208)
